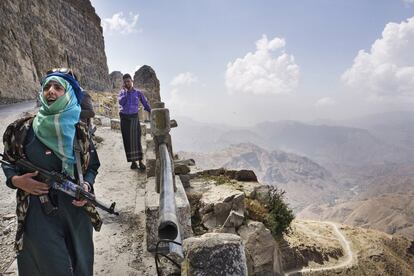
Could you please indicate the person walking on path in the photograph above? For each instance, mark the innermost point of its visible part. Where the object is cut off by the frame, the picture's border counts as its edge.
(58, 242)
(129, 99)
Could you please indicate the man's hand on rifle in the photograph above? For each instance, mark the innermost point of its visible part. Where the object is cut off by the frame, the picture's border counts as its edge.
(80, 203)
(26, 183)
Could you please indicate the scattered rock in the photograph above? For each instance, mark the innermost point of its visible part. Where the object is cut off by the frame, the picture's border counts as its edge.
(115, 124)
(9, 216)
(217, 203)
(241, 175)
(180, 169)
(186, 162)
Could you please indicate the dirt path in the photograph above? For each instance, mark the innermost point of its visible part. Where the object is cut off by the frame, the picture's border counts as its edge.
(120, 245)
(346, 245)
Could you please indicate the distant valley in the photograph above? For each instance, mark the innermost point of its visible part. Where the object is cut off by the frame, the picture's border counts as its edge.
(358, 173)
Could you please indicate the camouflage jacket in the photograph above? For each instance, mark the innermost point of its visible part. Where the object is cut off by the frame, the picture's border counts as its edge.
(13, 139)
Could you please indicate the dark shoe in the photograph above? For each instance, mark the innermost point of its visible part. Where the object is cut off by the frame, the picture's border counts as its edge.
(142, 166)
(134, 165)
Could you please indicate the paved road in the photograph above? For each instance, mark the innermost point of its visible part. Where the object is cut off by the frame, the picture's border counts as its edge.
(17, 108)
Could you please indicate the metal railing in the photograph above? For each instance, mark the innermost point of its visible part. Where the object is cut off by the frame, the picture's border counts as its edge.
(168, 226)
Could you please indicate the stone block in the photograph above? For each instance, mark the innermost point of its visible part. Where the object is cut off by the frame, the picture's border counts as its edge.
(143, 129)
(115, 124)
(260, 249)
(214, 254)
(152, 207)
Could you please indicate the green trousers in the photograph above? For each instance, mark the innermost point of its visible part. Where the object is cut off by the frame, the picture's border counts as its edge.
(59, 245)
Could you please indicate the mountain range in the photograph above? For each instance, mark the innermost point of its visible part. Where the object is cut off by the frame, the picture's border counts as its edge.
(358, 172)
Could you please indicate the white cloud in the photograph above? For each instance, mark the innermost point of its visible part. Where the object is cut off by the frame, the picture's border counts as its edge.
(263, 72)
(186, 78)
(409, 1)
(119, 23)
(326, 101)
(387, 71)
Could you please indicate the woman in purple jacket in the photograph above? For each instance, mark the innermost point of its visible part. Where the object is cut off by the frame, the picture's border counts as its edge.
(129, 99)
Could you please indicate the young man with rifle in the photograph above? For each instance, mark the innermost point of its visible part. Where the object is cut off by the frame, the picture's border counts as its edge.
(51, 162)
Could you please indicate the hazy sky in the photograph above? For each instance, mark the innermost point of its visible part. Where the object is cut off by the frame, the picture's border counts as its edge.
(245, 61)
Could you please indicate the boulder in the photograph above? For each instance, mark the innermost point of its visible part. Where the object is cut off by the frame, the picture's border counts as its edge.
(146, 81)
(232, 223)
(115, 79)
(245, 175)
(261, 249)
(217, 203)
(186, 162)
(181, 169)
(262, 194)
(214, 254)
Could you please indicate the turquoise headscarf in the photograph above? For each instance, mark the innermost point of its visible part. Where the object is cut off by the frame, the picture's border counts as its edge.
(54, 125)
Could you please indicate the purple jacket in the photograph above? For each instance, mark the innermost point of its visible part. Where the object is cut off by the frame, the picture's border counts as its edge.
(129, 101)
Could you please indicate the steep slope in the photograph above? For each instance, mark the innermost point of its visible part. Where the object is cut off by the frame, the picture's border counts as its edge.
(392, 127)
(392, 213)
(38, 35)
(304, 181)
(323, 248)
(383, 199)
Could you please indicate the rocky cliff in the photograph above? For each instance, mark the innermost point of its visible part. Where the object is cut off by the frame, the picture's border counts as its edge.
(146, 81)
(41, 34)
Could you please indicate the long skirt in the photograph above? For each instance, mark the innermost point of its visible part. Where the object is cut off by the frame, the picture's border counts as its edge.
(56, 245)
(131, 136)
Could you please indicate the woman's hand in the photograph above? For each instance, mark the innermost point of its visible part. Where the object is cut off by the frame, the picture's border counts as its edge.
(80, 203)
(26, 183)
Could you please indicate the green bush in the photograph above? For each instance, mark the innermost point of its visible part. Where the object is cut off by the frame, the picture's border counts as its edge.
(280, 215)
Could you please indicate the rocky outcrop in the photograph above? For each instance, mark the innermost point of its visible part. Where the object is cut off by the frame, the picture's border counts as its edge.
(42, 34)
(115, 79)
(146, 81)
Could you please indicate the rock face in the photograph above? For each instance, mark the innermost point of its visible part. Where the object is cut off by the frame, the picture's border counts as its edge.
(261, 249)
(146, 81)
(115, 79)
(38, 35)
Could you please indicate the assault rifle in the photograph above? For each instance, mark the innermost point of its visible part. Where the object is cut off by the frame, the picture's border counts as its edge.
(60, 182)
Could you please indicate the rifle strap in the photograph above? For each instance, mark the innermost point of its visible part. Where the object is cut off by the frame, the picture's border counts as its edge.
(77, 149)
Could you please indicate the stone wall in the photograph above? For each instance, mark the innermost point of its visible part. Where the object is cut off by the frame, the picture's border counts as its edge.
(41, 34)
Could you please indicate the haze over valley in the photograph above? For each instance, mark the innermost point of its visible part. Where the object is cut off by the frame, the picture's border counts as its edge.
(358, 172)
